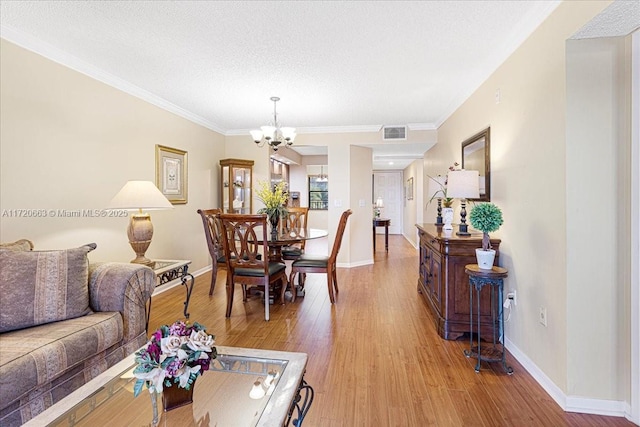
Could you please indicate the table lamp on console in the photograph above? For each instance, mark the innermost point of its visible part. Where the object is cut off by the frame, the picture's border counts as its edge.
(136, 196)
(378, 207)
(463, 185)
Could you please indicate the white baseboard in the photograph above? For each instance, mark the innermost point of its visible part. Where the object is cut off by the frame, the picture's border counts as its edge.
(569, 403)
(414, 244)
(354, 264)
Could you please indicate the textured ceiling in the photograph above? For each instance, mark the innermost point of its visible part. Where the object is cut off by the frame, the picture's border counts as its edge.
(355, 64)
(618, 19)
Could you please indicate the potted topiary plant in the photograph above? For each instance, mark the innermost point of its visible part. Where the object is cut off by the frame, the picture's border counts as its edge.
(485, 217)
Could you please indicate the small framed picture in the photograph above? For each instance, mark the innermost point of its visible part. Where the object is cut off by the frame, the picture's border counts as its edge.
(410, 189)
(171, 173)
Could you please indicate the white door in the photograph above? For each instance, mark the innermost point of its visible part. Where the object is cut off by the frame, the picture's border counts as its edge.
(388, 185)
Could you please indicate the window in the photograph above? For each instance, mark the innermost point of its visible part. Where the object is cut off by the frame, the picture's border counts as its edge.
(318, 192)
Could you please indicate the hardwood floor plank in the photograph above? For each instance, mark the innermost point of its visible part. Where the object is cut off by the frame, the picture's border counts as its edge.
(375, 358)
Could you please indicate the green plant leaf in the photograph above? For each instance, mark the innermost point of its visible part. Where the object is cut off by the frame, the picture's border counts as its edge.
(486, 217)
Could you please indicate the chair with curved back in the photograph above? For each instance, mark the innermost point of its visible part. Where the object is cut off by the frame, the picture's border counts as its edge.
(213, 233)
(244, 236)
(296, 219)
(322, 263)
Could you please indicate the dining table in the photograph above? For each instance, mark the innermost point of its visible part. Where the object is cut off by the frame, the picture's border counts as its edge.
(286, 237)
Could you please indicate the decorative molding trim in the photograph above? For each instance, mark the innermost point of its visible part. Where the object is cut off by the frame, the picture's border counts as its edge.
(54, 54)
(568, 403)
(341, 129)
(422, 126)
(309, 130)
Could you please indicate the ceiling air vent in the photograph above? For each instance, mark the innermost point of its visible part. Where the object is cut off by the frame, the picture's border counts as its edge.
(394, 133)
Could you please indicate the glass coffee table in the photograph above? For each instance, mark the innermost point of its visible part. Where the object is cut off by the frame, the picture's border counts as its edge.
(221, 396)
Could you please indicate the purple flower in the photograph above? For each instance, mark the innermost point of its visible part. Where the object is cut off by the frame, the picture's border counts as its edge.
(173, 367)
(204, 364)
(154, 351)
(178, 328)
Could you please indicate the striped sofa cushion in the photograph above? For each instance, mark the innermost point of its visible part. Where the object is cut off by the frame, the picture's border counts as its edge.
(38, 355)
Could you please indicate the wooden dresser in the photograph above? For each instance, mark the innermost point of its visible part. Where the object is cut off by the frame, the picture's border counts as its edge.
(444, 284)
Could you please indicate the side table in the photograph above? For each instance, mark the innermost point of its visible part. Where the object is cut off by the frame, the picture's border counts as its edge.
(168, 270)
(381, 222)
(494, 352)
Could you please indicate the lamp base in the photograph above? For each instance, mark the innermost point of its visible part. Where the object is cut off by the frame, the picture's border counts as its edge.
(140, 232)
(462, 230)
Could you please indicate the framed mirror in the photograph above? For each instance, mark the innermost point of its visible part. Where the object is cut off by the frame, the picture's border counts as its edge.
(476, 156)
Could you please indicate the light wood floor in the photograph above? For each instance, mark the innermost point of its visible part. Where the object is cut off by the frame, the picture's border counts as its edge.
(375, 358)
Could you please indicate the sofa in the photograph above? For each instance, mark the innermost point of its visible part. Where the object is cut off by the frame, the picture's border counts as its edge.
(63, 321)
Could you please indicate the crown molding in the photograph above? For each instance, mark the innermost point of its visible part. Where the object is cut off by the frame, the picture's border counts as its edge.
(48, 51)
(422, 126)
(342, 129)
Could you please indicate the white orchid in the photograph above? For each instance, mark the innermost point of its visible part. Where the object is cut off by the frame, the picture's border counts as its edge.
(185, 374)
(154, 378)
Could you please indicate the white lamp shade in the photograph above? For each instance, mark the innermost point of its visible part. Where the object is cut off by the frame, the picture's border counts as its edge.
(140, 195)
(256, 135)
(268, 131)
(463, 184)
(379, 203)
(288, 133)
(436, 187)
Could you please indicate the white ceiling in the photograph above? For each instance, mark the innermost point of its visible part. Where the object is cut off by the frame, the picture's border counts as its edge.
(336, 65)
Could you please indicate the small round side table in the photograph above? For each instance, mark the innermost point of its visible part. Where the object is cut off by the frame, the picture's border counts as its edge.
(494, 352)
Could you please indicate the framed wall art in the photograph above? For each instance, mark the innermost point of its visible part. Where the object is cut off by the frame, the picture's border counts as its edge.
(171, 173)
(410, 189)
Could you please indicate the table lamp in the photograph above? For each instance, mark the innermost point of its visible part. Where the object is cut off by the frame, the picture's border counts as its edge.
(379, 206)
(136, 196)
(436, 190)
(463, 185)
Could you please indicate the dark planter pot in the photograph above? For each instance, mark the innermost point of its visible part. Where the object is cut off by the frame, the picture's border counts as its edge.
(175, 397)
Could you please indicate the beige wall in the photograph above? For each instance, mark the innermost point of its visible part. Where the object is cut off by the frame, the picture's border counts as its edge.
(599, 186)
(549, 234)
(70, 142)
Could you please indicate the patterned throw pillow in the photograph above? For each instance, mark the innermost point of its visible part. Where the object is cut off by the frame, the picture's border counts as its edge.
(38, 287)
(19, 245)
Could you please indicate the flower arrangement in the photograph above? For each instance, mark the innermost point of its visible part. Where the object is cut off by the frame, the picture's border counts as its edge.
(273, 199)
(442, 192)
(175, 354)
(486, 217)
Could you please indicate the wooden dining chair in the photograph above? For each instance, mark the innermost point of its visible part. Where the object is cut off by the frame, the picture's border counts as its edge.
(295, 220)
(322, 263)
(213, 234)
(244, 236)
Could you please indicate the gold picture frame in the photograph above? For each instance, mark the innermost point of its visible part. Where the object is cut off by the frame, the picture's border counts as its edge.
(171, 173)
(410, 189)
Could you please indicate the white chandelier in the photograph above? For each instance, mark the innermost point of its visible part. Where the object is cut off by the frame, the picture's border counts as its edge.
(273, 134)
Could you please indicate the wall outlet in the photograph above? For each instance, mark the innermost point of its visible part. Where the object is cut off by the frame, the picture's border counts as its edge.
(542, 318)
(512, 296)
